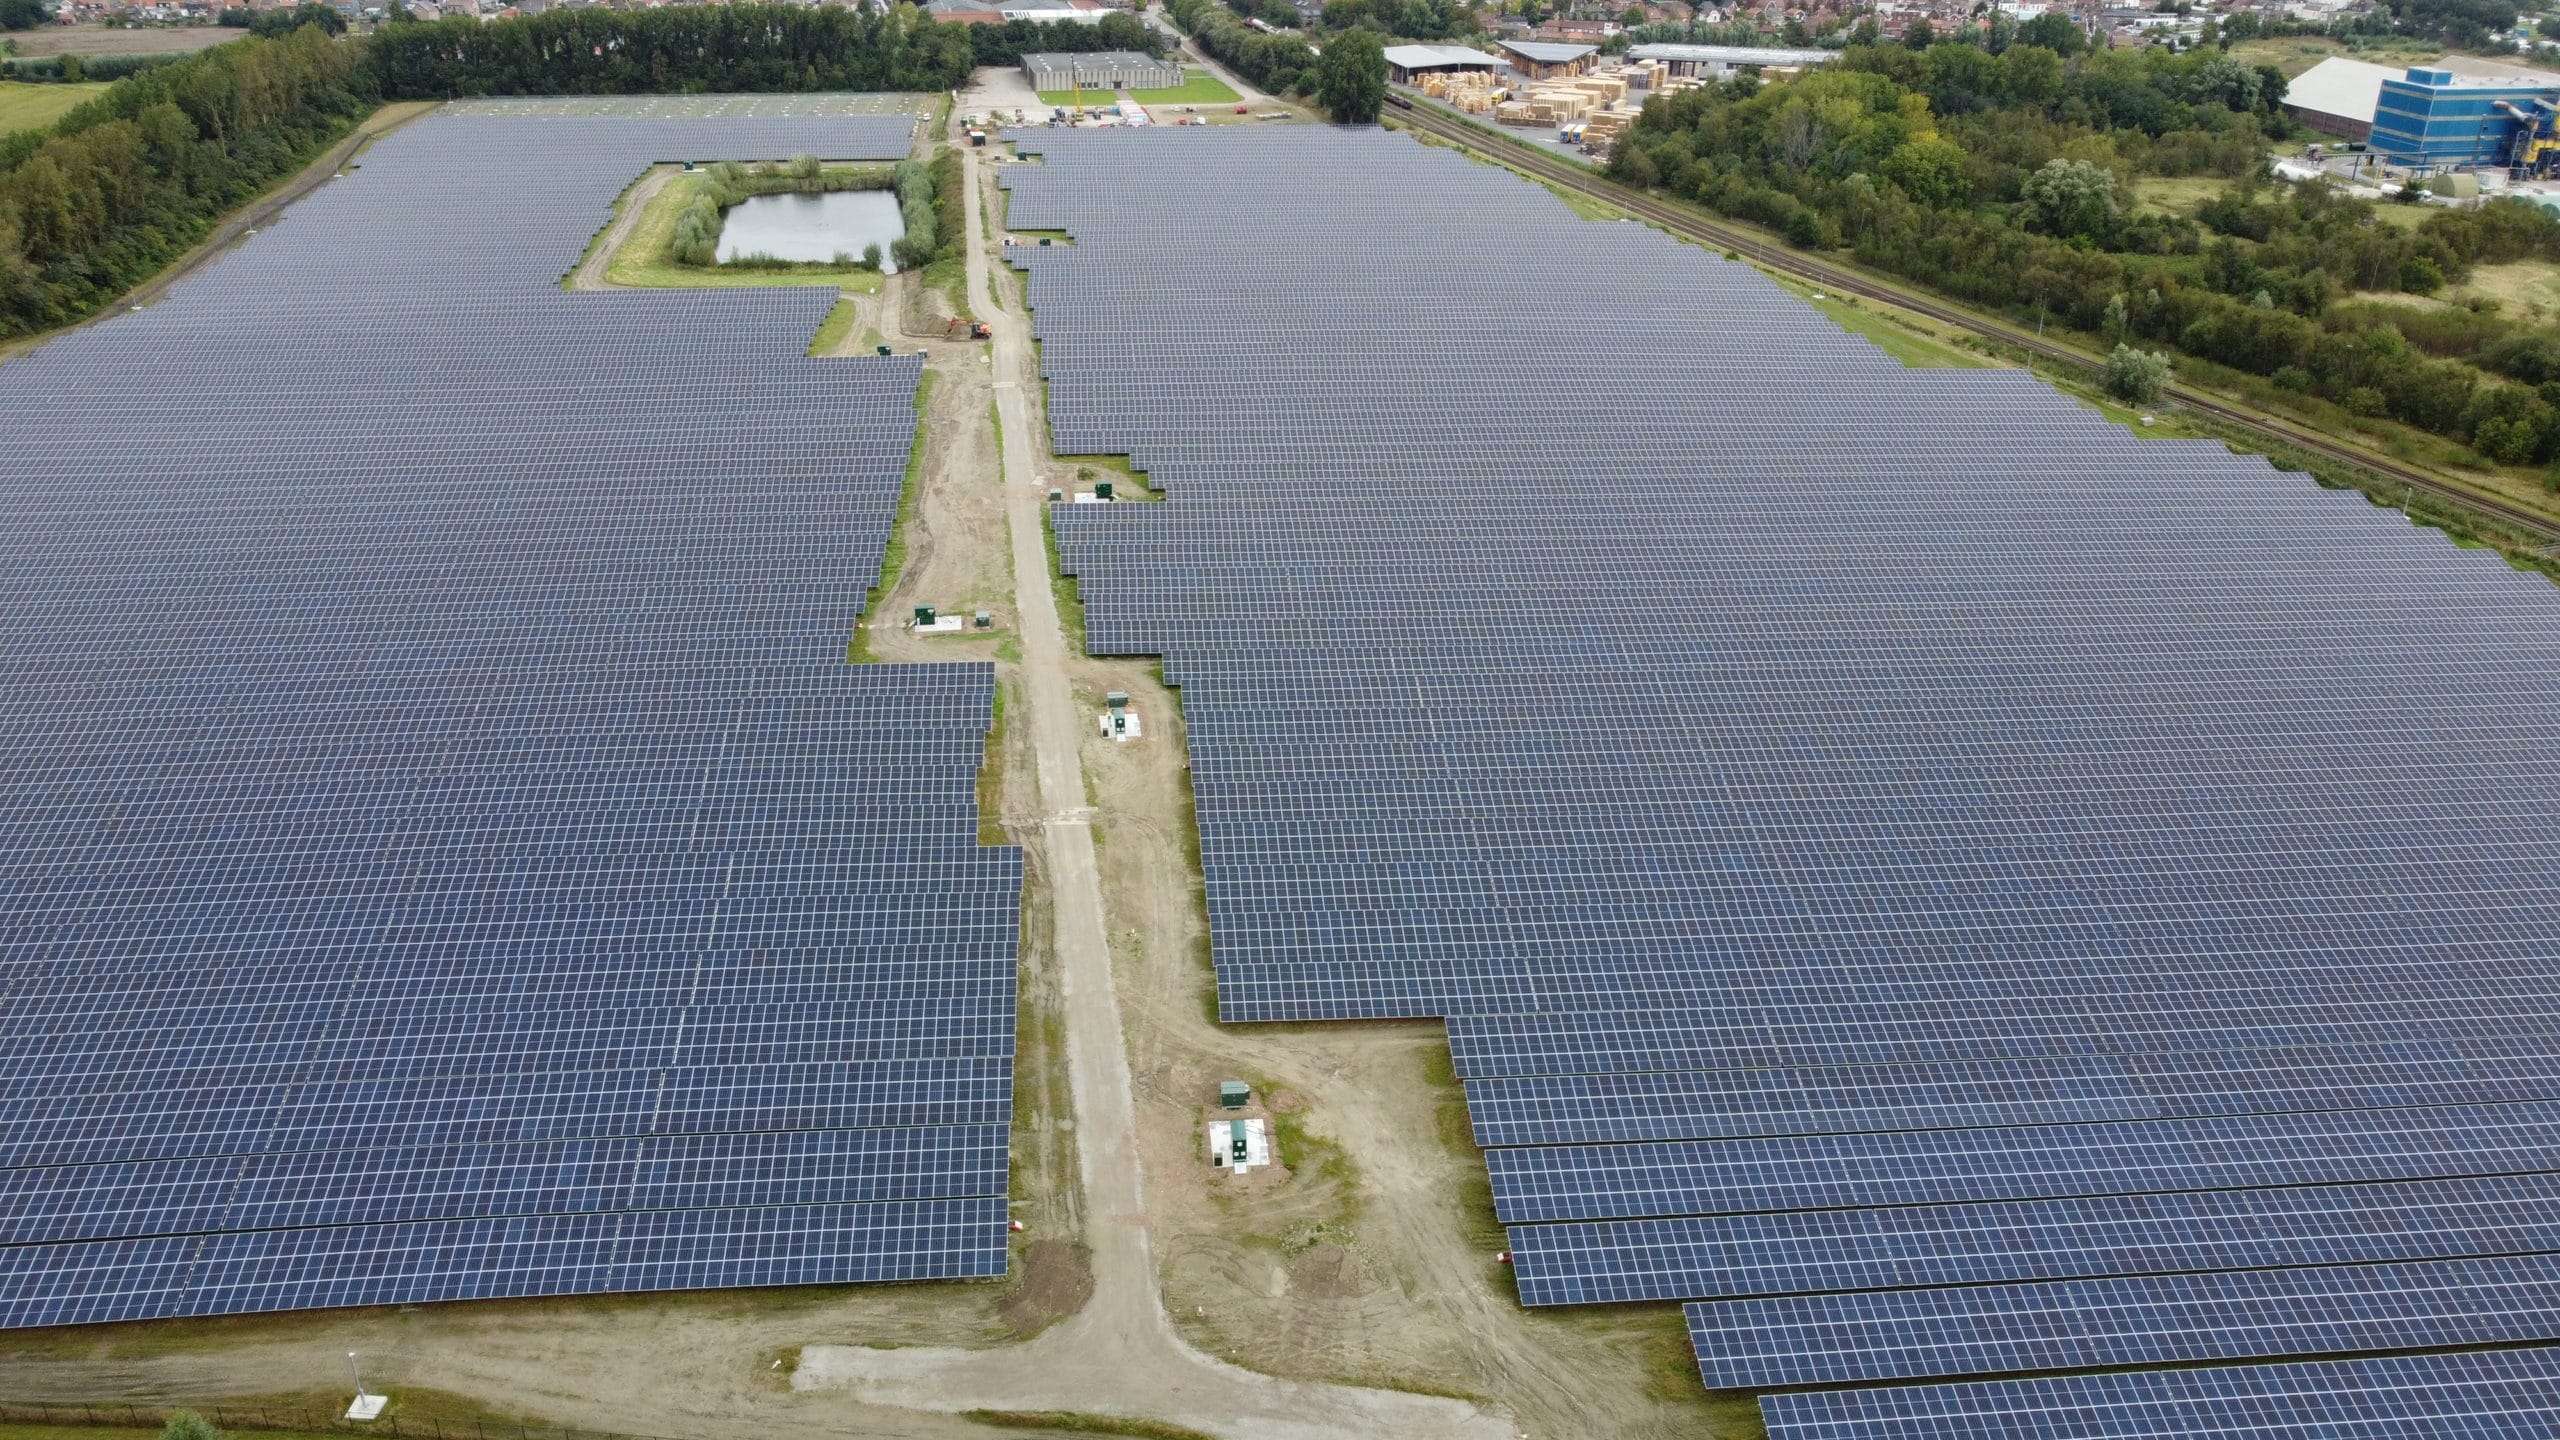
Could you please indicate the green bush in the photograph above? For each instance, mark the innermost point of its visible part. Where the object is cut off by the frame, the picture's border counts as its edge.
(2138, 377)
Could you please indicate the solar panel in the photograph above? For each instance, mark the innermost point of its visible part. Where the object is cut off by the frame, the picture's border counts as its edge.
(2148, 1320)
(2498, 1395)
(1802, 783)
(445, 852)
(1704, 1257)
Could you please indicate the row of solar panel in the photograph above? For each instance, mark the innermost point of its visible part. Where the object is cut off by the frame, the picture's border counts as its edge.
(1703, 721)
(588, 1253)
(379, 1185)
(447, 853)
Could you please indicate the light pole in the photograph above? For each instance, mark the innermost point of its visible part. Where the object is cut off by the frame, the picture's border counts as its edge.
(366, 1407)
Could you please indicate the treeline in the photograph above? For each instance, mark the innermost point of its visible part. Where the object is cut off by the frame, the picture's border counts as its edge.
(276, 22)
(125, 183)
(929, 208)
(1007, 43)
(706, 48)
(2008, 180)
(72, 69)
(1279, 64)
(678, 49)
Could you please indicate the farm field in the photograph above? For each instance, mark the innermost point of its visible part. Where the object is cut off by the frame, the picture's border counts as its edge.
(32, 107)
(106, 40)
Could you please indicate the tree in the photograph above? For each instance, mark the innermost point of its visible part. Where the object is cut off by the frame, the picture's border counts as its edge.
(2138, 377)
(272, 23)
(1351, 77)
(1932, 172)
(21, 14)
(188, 1425)
(1632, 15)
(2071, 198)
(1920, 34)
(2056, 31)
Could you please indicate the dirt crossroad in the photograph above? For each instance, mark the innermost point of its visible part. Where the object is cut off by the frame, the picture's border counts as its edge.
(1117, 1355)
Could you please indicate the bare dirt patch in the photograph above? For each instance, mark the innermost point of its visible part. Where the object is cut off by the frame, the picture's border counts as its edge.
(956, 555)
(1056, 1280)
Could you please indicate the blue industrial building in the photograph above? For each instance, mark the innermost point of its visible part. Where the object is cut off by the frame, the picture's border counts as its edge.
(2433, 119)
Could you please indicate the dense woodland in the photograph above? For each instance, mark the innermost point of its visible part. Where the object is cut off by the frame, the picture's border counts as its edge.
(2008, 180)
(1280, 63)
(704, 48)
(124, 184)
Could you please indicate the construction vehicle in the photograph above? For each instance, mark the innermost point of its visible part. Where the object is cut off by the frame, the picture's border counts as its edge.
(2536, 147)
(978, 329)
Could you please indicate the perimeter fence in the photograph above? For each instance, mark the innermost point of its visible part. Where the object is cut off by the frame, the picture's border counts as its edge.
(292, 1419)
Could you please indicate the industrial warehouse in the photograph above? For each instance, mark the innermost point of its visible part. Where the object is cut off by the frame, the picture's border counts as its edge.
(1101, 70)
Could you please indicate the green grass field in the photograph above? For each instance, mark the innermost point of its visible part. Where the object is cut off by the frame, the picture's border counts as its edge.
(1202, 88)
(2294, 54)
(32, 107)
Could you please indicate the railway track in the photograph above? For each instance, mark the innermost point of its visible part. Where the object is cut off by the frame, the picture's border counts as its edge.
(1692, 225)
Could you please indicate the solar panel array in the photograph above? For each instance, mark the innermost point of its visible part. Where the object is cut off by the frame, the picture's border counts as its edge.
(444, 852)
(1937, 882)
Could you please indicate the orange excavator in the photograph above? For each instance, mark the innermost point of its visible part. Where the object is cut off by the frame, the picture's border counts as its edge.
(978, 329)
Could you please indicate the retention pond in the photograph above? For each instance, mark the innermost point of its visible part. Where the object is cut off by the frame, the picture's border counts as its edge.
(812, 227)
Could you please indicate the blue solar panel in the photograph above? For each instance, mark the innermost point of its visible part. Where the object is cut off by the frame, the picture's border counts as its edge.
(2149, 1320)
(2500, 1395)
(1924, 1167)
(1731, 1104)
(1738, 1255)
(445, 851)
(1801, 782)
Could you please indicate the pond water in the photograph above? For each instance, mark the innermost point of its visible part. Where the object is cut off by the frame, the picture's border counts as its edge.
(812, 227)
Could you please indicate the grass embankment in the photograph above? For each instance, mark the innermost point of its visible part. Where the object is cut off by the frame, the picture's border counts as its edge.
(833, 329)
(991, 777)
(32, 107)
(642, 261)
(1906, 338)
(893, 557)
(1063, 586)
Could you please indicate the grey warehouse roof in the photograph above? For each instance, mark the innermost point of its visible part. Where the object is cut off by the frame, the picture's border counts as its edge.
(1733, 54)
(1429, 57)
(1546, 52)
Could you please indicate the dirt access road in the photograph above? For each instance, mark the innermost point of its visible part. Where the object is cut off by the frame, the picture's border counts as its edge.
(1117, 1355)
(591, 272)
(1368, 1259)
